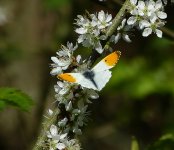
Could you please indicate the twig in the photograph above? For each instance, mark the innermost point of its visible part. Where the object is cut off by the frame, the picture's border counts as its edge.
(168, 32)
(115, 23)
(46, 125)
(118, 18)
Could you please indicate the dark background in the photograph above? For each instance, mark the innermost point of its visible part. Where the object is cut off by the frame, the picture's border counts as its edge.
(138, 101)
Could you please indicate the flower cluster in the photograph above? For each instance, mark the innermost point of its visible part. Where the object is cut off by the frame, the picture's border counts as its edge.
(92, 29)
(75, 104)
(64, 59)
(60, 141)
(72, 102)
(148, 16)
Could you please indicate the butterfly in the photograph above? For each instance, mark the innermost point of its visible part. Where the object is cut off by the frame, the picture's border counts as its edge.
(97, 77)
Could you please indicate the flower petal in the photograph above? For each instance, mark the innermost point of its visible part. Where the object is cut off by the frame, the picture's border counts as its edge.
(60, 84)
(78, 58)
(62, 136)
(126, 38)
(147, 32)
(158, 33)
(161, 15)
(108, 18)
(81, 30)
(158, 5)
(117, 37)
(56, 71)
(101, 15)
(133, 2)
(132, 20)
(53, 130)
(81, 39)
(141, 5)
(60, 146)
(143, 24)
(98, 47)
(55, 60)
(69, 106)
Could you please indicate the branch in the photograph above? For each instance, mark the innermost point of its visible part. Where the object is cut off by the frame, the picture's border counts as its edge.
(116, 22)
(46, 125)
(168, 32)
(118, 18)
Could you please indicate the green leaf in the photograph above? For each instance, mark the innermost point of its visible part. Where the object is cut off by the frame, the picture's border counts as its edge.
(134, 144)
(14, 97)
(166, 142)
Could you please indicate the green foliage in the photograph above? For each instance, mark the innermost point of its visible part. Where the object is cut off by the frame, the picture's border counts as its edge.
(54, 4)
(134, 144)
(149, 72)
(166, 142)
(14, 97)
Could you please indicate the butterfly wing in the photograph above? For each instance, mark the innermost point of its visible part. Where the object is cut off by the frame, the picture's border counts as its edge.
(77, 78)
(101, 73)
(101, 78)
(108, 62)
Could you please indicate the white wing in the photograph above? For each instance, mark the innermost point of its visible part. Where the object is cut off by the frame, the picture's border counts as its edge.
(79, 79)
(101, 78)
(108, 62)
(101, 66)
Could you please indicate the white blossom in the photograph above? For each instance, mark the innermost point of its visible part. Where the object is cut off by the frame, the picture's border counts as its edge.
(121, 32)
(104, 20)
(148, 16)
(69, 106)
(147, 32)
(91, 29)
(63, 122)
(64, 59)
(62, 87)
(134, 10)
(56, 139)
(152, 26)
(79, 116)
(132, 20)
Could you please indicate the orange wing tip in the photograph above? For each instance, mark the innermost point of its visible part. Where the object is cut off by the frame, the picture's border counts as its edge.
(112, 58)
(67, 77)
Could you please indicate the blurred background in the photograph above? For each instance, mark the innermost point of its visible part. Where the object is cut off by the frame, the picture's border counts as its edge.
(138, 101)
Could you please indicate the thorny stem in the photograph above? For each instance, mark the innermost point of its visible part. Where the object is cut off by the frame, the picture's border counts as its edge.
(46, 125)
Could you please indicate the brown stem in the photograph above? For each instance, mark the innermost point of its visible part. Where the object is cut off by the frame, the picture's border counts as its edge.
(168, 32)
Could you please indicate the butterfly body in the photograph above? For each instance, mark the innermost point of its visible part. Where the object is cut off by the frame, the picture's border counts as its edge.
(97, 77)
(90, 75)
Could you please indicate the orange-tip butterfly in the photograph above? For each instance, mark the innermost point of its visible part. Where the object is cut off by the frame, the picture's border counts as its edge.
(97, 77)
